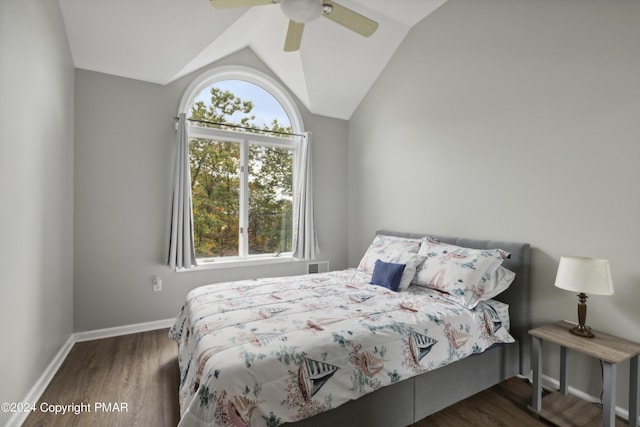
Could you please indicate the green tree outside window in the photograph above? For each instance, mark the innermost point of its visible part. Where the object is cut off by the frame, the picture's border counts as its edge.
(216, 182)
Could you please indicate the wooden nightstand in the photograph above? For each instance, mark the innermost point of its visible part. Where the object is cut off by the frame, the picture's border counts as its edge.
(567, 410)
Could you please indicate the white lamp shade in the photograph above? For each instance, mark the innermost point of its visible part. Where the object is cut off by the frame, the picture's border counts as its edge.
(301, 11)
(583, 274)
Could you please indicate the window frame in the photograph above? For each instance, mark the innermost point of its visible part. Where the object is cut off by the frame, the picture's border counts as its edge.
(244, 139)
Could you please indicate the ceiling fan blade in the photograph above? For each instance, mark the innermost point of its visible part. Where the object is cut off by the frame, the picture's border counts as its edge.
(349, 19)
(294, 36)
(231, 4)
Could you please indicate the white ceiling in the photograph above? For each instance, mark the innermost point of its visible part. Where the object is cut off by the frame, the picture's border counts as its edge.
(160, 41)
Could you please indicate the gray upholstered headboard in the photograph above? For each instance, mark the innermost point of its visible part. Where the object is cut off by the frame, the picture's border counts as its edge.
(518, 296)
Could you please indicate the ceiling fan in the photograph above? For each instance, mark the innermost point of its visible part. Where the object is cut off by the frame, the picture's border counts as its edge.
(301, 12)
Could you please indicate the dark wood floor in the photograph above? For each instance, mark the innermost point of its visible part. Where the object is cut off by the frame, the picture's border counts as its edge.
(503, 405)
(141, 372)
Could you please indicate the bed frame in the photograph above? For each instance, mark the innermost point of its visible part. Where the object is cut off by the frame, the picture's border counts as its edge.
(408, 401)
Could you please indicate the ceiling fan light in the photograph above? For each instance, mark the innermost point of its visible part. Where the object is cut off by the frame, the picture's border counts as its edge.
(302, 11)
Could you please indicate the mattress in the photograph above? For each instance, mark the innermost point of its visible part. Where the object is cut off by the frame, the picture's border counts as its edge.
(274, 350)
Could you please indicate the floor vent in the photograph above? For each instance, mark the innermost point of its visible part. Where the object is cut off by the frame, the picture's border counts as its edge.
(317, 267)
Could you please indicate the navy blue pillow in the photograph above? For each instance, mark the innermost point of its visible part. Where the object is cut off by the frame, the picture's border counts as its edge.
(387, 274)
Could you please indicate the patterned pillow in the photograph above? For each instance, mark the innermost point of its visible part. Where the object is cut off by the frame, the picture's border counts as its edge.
(387, 274)
(386, 247)
(463, 273)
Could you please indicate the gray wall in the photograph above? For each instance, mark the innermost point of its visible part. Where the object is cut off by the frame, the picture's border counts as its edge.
(125, 138)
(514, 120)
(36, 192)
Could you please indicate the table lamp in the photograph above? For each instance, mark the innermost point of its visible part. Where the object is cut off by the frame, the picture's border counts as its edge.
(584, 275)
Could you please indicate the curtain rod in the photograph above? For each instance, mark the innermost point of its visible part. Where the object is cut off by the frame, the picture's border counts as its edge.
(243, 127)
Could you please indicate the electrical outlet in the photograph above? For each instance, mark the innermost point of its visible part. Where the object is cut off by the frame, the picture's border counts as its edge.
(157, 284)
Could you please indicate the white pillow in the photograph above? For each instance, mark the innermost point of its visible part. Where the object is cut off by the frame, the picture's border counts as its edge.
(411, 261)
(499, 282)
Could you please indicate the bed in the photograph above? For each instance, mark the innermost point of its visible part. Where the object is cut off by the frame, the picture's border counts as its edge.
(331, 348)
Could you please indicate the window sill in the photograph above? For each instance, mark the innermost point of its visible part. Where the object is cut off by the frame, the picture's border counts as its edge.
(213, 265)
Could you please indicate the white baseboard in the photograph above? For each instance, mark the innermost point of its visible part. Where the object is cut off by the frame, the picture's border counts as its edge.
(122, 330)
(41, 384)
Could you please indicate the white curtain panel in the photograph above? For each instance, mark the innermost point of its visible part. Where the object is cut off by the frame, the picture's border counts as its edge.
(305, 242)
(181, 247)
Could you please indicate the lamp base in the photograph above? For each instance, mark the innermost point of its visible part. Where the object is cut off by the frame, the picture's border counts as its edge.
(583, 331)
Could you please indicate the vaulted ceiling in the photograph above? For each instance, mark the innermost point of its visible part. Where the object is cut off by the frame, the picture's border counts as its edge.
(160, 41)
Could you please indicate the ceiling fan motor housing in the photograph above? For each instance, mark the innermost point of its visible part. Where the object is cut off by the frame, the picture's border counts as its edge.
(302, 11)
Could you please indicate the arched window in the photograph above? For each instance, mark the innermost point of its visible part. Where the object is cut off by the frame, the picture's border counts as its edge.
(242, 150)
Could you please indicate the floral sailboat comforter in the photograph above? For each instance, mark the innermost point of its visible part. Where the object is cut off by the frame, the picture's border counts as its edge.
(275, 350)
